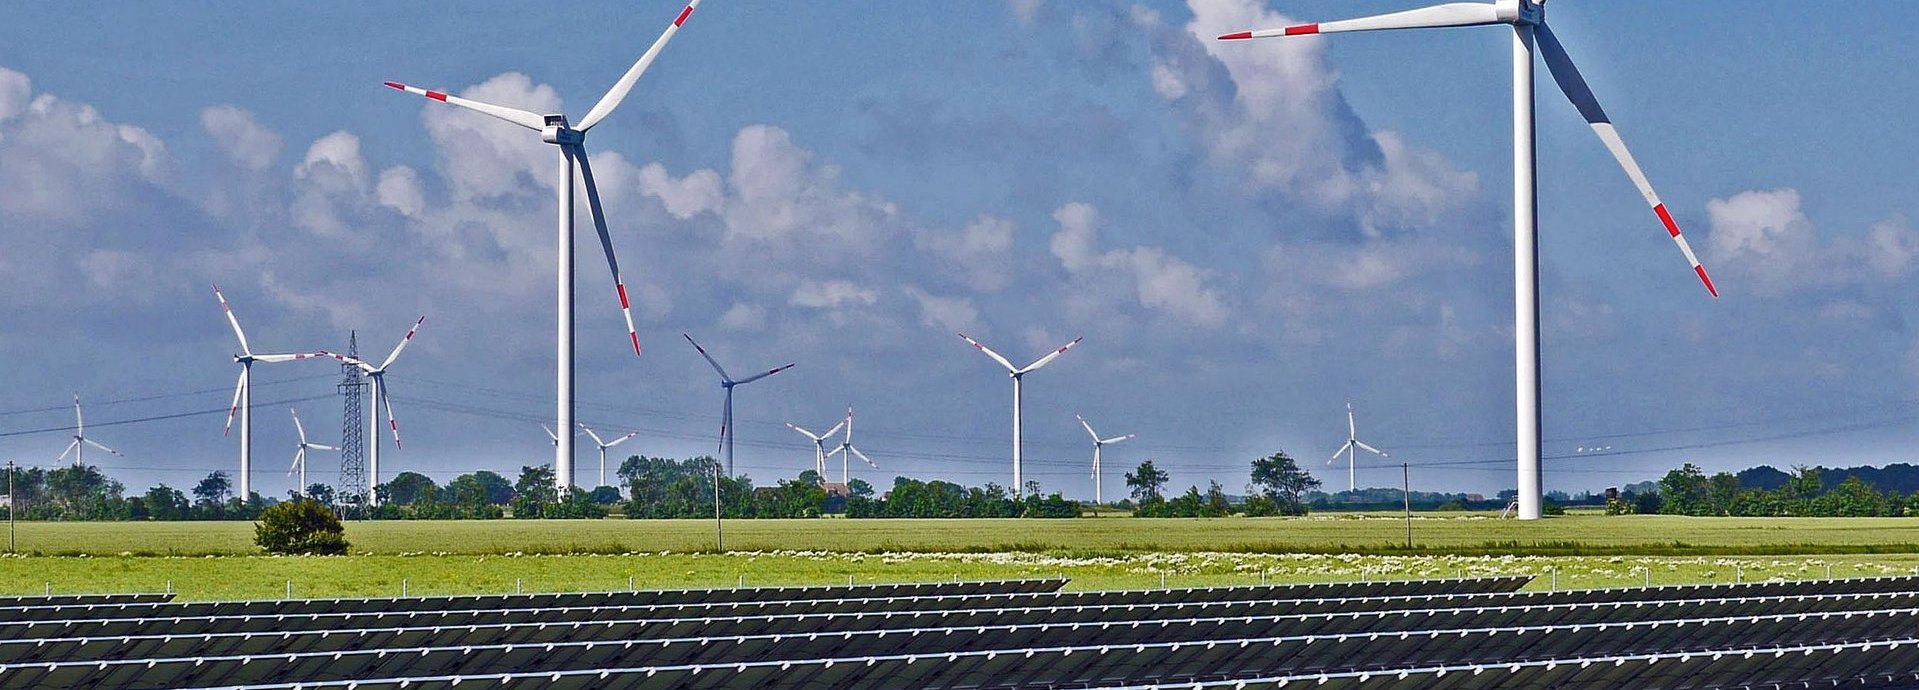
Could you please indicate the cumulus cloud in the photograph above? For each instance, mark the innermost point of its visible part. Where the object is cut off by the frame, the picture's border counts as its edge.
(945, 313)
(831, 294)
(743, 317)
(62, 161)
(1764, 238)
(15, 91)
(1158, 281)
(981, 252)
(242, 138)
(1272, 116)
(331, 183)
(700, 192)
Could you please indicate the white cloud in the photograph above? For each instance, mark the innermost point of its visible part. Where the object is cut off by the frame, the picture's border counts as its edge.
(946, 313)
(743, 317)
(242, 138)
(483, 157)
(1159, 281)
(331, 182)
(62, 161)
(980, 253)
(1763, 238)
(1027, 11)
(399, 189)
(778, 192)
(15, 91)
(698, 192)
(831, 294)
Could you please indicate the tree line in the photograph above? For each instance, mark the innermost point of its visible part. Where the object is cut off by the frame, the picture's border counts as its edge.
(1803, 492)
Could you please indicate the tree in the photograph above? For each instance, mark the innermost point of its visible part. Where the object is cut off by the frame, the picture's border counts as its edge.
(1685, 491)
(1148, 483)
(533, 491)
(167, 503)
(860, 487)
(499, 491)
(300, 527)
(408, 488)
(1282, 483)
(211, 494)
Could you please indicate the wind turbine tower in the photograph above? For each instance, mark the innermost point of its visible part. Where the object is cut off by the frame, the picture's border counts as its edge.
(1351, 449)
(1018, 374)
(1099, 496)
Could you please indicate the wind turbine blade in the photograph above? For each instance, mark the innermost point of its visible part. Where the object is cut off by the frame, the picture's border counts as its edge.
(726, 420)
(620, 88)
(622, 439)
(1576, 90)
(1352, 430)
(320, 446)
(1342, 449)
(299, 457)
(1449, 14)
(990, 353)
(594, 436)
(869, 461)
(513, 115)
(386, 401)
(1362, 445)
(1089, 428)
(1117, 439)
(294, 357)
(837, 451)
(606, 242)
(297, 426)
(231, 319)
(70, 447)
(709, 358)
(804, 432)
(403, 343)
(1048, 359)
(79, 422)
(769, 372)
(835, 429)
(550, 434)
(235, 407)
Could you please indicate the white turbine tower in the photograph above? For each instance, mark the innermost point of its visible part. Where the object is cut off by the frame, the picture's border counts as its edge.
(846, 448)
(727, 382)
(1019, 373)
(300, 456)
(1099, 495)
(80, 441)
(1351, 449)
(1528, 21)
(381, 400)
(555, 129)
(819, 445)
(243, 393)
(603, 445)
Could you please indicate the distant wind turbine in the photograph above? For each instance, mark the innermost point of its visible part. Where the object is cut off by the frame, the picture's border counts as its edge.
(819, 445)
(1528, 21)
(602, 445)
(846, 448)
(243, 392)
(1019, 373)
(1099, 497)
(1351, 449)
(381, 400)
(726, 416)
(300, 456)
(80, 441)
(555, 129)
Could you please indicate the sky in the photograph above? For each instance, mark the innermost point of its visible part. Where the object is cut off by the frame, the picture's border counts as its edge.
(1248, 235)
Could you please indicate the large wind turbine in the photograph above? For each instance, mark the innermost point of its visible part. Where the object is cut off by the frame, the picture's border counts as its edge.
(1099, 496)
(1351, 449)
(1019, 373)
(727, 382)
(1528, 21)
(602, 445)
(555, 129)
(300, 456)
(80, 441)
(819, 444)
(243, 393)
(846, 449)
(380, 401)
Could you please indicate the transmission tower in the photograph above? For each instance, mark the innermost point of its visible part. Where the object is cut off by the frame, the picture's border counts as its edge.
(353, 489)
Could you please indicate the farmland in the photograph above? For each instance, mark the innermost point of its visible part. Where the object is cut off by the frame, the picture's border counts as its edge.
(216, 560)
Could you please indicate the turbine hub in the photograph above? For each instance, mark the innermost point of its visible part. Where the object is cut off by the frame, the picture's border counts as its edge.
(557, 131)
(1523, 12)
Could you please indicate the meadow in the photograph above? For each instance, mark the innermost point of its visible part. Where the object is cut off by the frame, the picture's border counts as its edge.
(216, 560)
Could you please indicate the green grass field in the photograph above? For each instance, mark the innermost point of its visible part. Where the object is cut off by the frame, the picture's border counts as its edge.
(218, 561)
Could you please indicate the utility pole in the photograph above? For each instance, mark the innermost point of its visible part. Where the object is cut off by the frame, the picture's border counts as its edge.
(719, 529)
(1406, 493)
(11, 508)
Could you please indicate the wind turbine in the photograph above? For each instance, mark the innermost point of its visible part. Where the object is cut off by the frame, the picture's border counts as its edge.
(1099, 497)
(300, 456)
(1528, 21)
(380, 401)
(819, 445)
(1351, 449)
(243, 393)
(1018, 374)
(80, 441)
(555, 129)
(727, 382)
(603, 445)
(846, 448)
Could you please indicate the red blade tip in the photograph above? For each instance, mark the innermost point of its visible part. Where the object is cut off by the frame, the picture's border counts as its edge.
(396, 85)
(1236, 36)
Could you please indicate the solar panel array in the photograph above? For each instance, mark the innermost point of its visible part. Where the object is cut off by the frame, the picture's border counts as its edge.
(1470, 633)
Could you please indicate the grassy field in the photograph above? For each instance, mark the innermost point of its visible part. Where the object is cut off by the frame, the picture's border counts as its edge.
(218, 561)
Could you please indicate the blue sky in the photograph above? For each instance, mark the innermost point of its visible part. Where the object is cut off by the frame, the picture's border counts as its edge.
(1248, 235)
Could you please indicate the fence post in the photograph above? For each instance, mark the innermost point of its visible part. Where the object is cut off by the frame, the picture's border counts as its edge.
(289, 589)
(741, 583)
(519, 585)
(169, 588)
(1828, 571)
(1555, 578)
(1649, 576)
(1738, 574)
(629, 585)
(1162, 580)
(403, 587)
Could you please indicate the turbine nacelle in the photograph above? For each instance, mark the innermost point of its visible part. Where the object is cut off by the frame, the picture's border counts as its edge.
(1524, 12)
(558, 132)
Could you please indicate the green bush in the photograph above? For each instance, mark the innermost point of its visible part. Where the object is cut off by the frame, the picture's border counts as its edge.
(300, 527)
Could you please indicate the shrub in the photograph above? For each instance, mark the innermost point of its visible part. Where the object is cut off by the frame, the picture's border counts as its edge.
(300, 527)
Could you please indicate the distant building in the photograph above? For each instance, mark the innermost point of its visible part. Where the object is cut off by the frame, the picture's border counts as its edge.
(836, 489)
